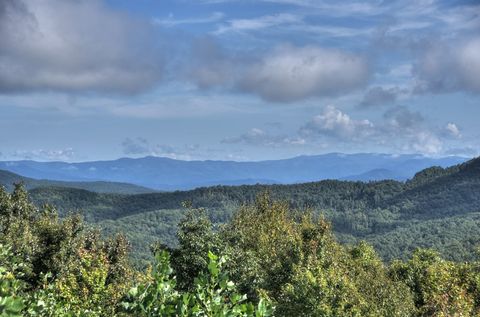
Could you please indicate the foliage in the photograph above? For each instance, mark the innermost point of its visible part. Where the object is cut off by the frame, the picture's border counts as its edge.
(213, 294)
(11, 301)
(272, 256)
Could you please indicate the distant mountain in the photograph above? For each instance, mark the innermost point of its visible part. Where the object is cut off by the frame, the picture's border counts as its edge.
(8, 179)
(168, 174)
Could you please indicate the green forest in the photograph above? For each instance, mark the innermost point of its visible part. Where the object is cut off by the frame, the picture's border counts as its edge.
(437, 209)
(267, 260)
(329, 248)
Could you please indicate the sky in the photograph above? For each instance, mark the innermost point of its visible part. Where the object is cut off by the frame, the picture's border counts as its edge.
(240, 80)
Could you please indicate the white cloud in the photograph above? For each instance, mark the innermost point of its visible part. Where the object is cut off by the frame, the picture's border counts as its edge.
(46, 155)
(336, 8)
(293, 73)
(424, 142)
(75, 46)
(285, 74)
(334, 123)
(450, 67)
(452, 130)
(400, 130)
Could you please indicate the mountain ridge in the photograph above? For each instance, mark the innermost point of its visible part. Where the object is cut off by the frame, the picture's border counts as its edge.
(8, 179)
(169, 174)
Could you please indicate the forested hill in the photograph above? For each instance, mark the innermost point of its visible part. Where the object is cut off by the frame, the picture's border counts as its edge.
(7, 179)
(437, 208)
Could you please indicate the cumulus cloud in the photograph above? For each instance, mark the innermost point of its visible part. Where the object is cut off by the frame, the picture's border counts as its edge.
(400, 129)
(334, 123)
(451, 130)
(259, 137)
(293, 73)
(405, 129)
(75, 46)
(46, 155)
(424, 142)
(450, 67)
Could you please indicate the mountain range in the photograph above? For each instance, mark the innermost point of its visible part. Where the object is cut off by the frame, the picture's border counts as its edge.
(168, 174)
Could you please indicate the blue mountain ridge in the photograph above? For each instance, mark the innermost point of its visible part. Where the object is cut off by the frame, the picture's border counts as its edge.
(168, 174)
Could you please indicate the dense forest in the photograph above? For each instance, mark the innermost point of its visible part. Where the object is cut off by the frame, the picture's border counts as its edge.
(267, 260)
(437, 209)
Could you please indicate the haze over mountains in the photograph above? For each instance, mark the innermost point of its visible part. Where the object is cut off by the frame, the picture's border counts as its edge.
(167, 174)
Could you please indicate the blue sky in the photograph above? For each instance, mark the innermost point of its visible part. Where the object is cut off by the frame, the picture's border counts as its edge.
(237, 79)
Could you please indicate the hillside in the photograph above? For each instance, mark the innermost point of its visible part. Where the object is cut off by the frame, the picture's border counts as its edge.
(168, 174)
(433, 209)
(7, 179)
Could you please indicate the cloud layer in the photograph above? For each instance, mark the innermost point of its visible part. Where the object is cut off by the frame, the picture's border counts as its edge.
(285, 74)
(451, 67)
(293, 73)
(75, 46)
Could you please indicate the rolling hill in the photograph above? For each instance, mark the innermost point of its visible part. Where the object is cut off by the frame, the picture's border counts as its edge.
(436, 208)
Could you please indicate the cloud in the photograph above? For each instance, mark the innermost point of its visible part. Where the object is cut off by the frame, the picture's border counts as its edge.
(285, 74)
(335, 8)
(451, 130)
(336, 124)
(266, 21)
(401, 118)
(142, 147)
(75, 46)
(258, 137)
(424, 142)
(291, 73)
(46, 155)
(171, 21)
(406, 130)
(445, 68)
(400, 129)
(379, 96)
